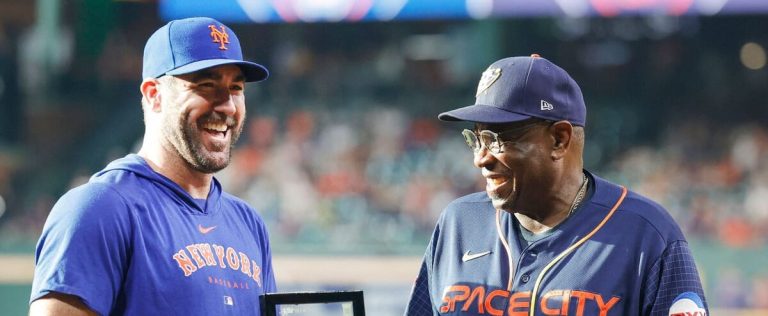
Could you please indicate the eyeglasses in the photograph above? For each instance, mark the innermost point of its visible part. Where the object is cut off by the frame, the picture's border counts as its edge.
(491, 140)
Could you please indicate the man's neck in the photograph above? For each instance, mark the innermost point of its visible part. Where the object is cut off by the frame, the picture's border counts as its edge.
(556, 211)
(538, 226)
(174, 167)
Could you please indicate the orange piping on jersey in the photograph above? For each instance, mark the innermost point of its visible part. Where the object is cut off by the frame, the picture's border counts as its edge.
(562, 255)
(509, 252)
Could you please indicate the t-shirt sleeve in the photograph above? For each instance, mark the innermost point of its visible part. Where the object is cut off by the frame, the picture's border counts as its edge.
(83, 247)
(270, 286)
(672, 278)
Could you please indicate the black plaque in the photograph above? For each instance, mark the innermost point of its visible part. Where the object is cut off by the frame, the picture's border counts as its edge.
(341, 303)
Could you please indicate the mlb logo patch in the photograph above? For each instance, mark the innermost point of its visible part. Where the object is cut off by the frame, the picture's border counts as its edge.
(687, 304)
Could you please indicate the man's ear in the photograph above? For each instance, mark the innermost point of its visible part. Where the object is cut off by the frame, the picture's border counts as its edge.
(151, 94)
(562, 136)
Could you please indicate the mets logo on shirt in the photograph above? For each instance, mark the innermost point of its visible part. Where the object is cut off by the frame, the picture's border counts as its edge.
(687, 304)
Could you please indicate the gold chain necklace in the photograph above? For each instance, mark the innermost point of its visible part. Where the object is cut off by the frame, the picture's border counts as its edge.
(579, 196)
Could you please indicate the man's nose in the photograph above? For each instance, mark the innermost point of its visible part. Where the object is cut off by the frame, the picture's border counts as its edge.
(483, 158)
(225, 103)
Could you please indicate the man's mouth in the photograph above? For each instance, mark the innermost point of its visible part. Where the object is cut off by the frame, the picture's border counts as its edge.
(494, 182)
(501, 189)
(218, 131)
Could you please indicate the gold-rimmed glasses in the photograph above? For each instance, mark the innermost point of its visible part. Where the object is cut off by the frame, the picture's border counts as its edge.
(493, 140)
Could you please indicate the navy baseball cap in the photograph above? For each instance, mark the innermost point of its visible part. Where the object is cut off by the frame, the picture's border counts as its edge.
(519, 88)
(188, 45)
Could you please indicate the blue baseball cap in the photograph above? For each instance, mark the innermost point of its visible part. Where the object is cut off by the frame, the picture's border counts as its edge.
(188, 45)
(519, 88)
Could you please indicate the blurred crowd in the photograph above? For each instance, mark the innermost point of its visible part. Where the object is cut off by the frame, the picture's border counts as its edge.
(713, 179)
(376, 179)
(373, 181)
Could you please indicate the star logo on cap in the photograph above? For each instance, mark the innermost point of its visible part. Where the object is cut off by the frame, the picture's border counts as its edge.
(219, 36)
(489, 76)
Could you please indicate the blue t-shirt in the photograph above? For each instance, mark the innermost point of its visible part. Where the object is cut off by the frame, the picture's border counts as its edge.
(619, 254)
(132, 242)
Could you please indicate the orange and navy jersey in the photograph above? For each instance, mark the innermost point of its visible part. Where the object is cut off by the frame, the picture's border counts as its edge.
(618, 254)
(132, 242)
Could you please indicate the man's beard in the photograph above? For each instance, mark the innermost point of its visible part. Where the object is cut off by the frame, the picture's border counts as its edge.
(185, 138)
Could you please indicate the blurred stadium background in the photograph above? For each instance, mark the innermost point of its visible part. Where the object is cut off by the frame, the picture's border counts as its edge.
(343, 154)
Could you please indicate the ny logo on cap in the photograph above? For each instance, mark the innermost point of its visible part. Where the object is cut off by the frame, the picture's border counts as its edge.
(219, 36)
(487, 79)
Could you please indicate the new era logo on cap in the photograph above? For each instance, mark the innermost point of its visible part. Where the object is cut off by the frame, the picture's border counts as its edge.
(519, 88)
(188, 45)
(546, 106)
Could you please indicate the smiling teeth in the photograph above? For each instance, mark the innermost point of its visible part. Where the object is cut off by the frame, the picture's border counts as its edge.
(220, 127)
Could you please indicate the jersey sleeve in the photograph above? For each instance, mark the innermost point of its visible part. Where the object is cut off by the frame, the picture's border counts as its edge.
(673, 276)
(83, 247)
(420, 302)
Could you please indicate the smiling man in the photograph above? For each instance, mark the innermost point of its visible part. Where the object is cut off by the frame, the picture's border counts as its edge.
(153, 233)
(548, 237)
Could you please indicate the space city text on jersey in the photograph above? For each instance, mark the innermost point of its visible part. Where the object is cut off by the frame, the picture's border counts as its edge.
(481, 301)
